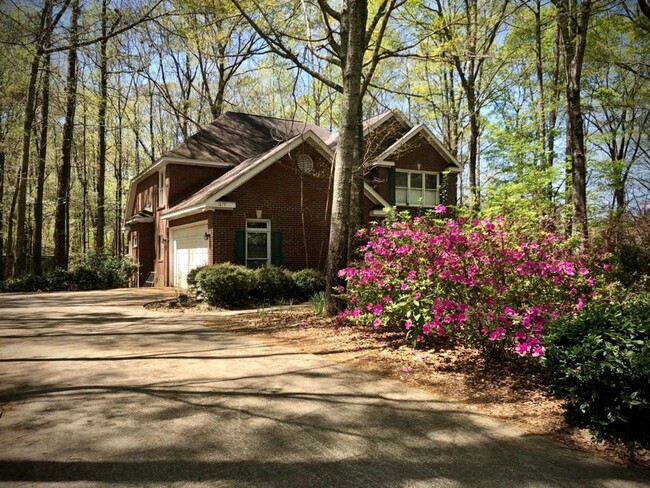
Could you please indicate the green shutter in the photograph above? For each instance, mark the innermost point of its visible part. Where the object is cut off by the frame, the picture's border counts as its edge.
(391, 186)
(240, 247)
(276, 248)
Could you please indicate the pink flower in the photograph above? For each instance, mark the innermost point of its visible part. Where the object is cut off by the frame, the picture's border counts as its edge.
(404, 286)
(376, 324)
(408, 324)
(417, 295)
(580, 304)
(440, 209)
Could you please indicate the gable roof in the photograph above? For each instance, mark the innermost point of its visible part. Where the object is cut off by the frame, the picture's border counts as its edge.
(207, 197)
(424, 131)
(235, 137)
(372, 123)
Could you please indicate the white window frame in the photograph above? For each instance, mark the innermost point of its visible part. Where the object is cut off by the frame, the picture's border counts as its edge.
(161, 188)
(267, 231)
(408, 188)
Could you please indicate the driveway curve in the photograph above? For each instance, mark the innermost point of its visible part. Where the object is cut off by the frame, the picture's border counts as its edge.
(97, 391)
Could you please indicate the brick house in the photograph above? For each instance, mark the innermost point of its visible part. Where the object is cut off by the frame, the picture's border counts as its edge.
(256, 191)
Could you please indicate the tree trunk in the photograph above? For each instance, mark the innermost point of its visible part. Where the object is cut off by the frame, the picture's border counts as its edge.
(101, 149)
(353, 22)
(573, 21)
(63, 186)
(2, 234)
(20, 248)
(37, 250)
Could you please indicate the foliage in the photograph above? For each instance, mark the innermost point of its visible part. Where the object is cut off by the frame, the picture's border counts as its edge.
(191, 277)
(226, 285)
(318, 302)
(486, 283)
(93, 271)
(273, 284)
(230, 285)
(599, 363)
(622, 239)
(308, 282)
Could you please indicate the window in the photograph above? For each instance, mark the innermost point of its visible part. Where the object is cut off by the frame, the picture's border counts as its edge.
(258, 243)
(134, 240)
(161, 188)
(416, 188)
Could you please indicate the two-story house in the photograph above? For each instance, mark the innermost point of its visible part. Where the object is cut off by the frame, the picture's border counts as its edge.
(256, 191)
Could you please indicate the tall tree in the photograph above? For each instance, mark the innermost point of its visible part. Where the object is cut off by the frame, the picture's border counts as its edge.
(61, 236)
(341, 38)
(37, 246)
(100, 221)
(573, 22)
(46, 25)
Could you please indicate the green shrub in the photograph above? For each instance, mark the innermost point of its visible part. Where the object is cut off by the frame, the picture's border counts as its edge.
(272, 285)
(308, 282)
(599, 363)
(226, 285)
(25, 283)
(191, 277)
(95, 271)
(59, 280)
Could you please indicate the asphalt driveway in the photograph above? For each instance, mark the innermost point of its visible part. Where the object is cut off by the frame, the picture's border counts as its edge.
(97, 391)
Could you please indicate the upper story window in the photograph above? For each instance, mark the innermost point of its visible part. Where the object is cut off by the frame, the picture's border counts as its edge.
(417, 188)
(161, 188)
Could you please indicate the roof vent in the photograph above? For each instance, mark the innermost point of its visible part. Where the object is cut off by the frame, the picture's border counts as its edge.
(305, 163)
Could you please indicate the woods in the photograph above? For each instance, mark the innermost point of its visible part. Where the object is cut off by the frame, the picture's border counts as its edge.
(546, 102)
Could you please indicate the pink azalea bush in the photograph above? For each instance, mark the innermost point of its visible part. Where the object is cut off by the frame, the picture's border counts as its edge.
(483, 282)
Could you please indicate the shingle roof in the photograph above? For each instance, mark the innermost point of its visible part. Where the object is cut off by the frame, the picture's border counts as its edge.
(251, 166)
(235, 137)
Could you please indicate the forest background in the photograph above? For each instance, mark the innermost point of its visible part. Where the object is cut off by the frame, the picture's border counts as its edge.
(94, 91)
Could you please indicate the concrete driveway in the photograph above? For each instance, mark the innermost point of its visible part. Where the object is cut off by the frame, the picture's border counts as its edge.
(97, 391)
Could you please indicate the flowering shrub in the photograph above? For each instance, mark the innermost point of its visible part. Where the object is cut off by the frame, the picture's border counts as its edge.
(480, 281)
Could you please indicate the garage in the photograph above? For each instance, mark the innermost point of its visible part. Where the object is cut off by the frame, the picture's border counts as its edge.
(189, 250)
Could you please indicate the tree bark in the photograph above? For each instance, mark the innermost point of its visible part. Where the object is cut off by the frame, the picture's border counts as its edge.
(37, 249)
(2, 234)
(63, 187)
(100, 222)
(353, 21)
(573, 21)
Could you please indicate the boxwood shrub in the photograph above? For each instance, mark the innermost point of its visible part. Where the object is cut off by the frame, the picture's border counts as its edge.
(599, 363)
(273, 285)
(230, 285)
(226, 285)
(308, 282)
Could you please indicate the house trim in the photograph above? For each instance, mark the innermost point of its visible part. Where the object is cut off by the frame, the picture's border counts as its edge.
(196, 209)
(375, 197)
(433, 140)
(271, 157)
(160, 166)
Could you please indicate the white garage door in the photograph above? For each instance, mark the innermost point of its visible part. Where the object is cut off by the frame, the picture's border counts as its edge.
(189, 250)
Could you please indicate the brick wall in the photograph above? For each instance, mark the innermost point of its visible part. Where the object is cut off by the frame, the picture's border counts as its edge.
(277, 193)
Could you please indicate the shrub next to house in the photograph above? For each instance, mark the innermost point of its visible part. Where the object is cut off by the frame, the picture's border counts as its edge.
(486, 283)
(599, 363)
(231, 285)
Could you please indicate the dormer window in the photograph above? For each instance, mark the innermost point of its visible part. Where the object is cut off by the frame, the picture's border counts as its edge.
(417, 188)
(161, 188)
